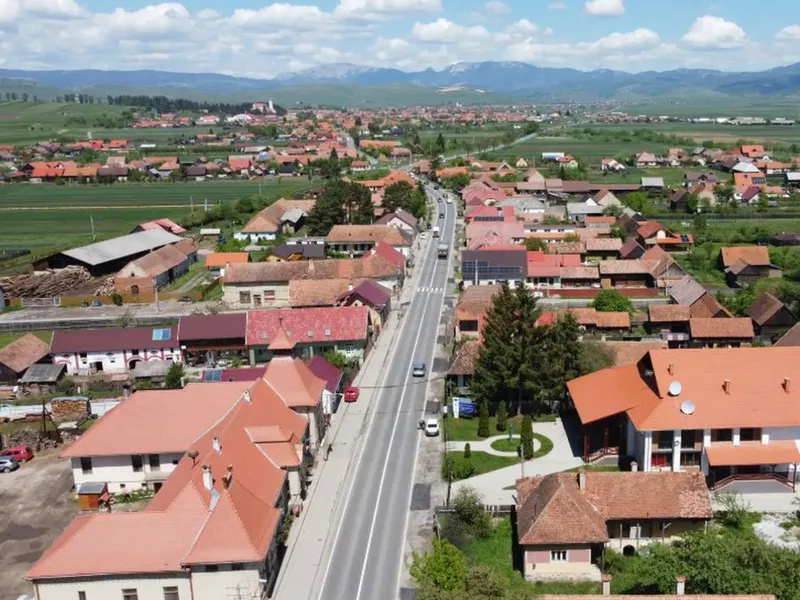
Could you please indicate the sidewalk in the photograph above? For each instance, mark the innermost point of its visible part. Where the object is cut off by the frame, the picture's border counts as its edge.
(312, 535)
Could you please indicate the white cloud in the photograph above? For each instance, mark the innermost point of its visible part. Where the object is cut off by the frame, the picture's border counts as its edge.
(604, 8)
(11, 10)
(715, 32)
(388, 7)
(496, 7)
(445, 31)
(789, 33)
(523, 27)
(641, 38)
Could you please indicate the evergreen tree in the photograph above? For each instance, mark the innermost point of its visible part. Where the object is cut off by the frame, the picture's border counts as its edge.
(526, 437)
(467, 451)
(440, 145)
(358, 199)
(174, 379)
(397, 195)
(329, 209)
(483, 420)
(502, 416)
(495, 365)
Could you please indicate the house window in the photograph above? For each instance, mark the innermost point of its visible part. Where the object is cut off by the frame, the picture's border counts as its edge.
(256, 299)
(171, 593)
(471, 326)
(558, 556)
(81, 595)
(154, 460)
(269, 295)
(750, 434)
(212, 568)
(722, 435)
(136, 463)
(348, 348)
(244, 297)
(130, 594)
(83, 355)
(134, 353)
(86, 465)
(237, 567)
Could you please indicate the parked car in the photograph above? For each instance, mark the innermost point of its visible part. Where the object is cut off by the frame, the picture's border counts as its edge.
(441, 215)
(8, 464)
(418, 369)
(20, 453)
(351, 394)
(431, 428)
(186, 299)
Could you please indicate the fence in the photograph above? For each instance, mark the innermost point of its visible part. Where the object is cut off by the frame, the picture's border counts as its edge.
(38, 302)
(496, 510)
(146, 298)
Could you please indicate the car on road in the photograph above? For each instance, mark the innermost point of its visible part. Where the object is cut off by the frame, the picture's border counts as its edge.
(20, 453)
(449, 200)
(423, 235)
(441, 215)
(186, 299)
(351, 394)
(431, 428)
(418, 369)
(8, 464)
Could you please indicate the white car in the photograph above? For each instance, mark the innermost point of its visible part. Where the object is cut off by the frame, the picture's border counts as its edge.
(431, 428)
(449, 200)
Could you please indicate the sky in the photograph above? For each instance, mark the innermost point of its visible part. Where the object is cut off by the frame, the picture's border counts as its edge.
(261, 39)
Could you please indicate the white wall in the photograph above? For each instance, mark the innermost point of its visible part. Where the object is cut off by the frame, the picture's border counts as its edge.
(254, 237)
(114, 362)
(118, 470)
(224, 584)
(782, 433)
(149, 588)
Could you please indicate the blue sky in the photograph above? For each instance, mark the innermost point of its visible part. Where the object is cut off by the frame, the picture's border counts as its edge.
(260, 38)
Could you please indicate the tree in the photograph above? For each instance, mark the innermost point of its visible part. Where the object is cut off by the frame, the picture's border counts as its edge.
(526, 437)
(502, 416)
(456, 182)
(483, 419)
(596, 356)
(638, 201)
(484, 583)
(494, 366)
(612, 301)
(444, 567)
(397, 195)
(534, 244)
(329, 209)
(724, 192)
(440, 145)
(174, 379)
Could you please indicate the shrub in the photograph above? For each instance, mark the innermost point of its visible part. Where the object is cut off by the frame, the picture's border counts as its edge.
(467, 451)
(527, 437)
(502, 417)
(483, 420)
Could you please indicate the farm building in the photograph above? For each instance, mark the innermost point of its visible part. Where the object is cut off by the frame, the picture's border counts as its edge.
(109, 256)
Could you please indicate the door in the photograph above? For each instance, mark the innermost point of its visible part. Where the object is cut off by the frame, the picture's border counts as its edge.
(256, 299)
(98, 366)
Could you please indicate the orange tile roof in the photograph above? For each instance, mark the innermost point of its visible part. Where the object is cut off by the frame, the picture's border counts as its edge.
(630, 353)
(294, 382)
(739, 328)
(367, 233)
(752, 453)
(23, 352)
(220, 259)
(751, 255)
(669, 313)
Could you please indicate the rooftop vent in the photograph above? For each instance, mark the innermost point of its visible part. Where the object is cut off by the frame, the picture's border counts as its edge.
(726, 385)
(310, 333)
(787, 384)
(687, 407)
(246, 395)
(208, 480)
(675, 388)
(671, 369)
(215, 443)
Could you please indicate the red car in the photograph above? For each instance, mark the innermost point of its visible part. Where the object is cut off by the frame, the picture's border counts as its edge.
(351, 394)
(21, 453)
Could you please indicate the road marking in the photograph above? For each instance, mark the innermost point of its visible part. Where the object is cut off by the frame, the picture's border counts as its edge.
(389, 455)
(419, 433)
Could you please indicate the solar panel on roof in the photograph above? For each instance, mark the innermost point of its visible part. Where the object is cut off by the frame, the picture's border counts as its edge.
(684, 238)
(210, 375)
(161, 334)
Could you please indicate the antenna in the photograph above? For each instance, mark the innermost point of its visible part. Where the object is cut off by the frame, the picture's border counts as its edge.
(687, 407)
(675, 388)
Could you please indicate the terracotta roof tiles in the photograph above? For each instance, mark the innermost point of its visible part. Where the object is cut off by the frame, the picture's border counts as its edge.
(23, 352)
(733, 328)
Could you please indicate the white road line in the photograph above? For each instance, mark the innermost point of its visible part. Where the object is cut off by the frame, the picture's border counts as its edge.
(389, 455)
(422, 416)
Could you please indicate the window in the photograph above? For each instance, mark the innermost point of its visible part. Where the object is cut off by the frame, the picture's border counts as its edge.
(212, 568)
(348, 348)
(122, 486)
(86, 465)
(83, 355)
(136, 463)
(130, 594)
(256, 299)
(750, 434)
(237, 567)
(722, 435)
(134, 353)
(244, 297)
(155, 461)
(558, 556)
(171, 593)
(269, 295)
(81, 595)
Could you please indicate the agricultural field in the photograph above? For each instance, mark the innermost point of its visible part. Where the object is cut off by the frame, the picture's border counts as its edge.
(762, 134)
(718, 106)
(41, 217)
(590, 150)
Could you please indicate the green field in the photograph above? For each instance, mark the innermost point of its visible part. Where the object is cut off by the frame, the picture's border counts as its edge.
(592, 151)
(718, 105)
(715, 133)
(41, 217)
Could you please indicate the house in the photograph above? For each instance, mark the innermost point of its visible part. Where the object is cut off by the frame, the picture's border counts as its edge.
(372, 295)
(678, 199)
(357, 240)
(402, 220)
(624, 273)
(480, 233)
(612, 165)
(665, 270)
(705, 192)
(521, 163)
(603, 248)
(254, 285)
(651, 233)
(732, 412)
(488, 267)
(770, 316)
(240, 476)
(652, 183)
(165, 224)
(606, 199)
(463, 367)
(645, 160)
(544, 270)
(86, 351)
(20, 355)
(333, 378)
(213, 339)
(40, 379)
(591, 320)
(217, 261)
(747, 264)
(790, 338)
(282, 216)
(156, 269)
(580, 277)
(578, 211)
(694, 177)
(291, 251)
(785, 239)
(701, 303)
(309, 332)
(720, 333)
(471, 310)
(631, 249)
(670, 322)
(566, 520)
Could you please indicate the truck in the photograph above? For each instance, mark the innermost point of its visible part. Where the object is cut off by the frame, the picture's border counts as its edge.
(441, 250)
(435, 231)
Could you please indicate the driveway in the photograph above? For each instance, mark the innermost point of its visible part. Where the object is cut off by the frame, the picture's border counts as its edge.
(35, 507)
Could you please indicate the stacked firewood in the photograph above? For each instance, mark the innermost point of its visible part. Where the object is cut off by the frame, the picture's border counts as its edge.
(45, 284)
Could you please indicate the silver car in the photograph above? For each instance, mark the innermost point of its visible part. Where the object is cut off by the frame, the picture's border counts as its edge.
(418, 369)
(8, 464)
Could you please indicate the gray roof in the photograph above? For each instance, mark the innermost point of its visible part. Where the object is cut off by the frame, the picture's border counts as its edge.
(293, 216)
(652, 182)
(121, 247)
(151, 368)
(92, 487)
(793, 176)
(687, 291)
(43, 373)
(580, 208)
(523, 203)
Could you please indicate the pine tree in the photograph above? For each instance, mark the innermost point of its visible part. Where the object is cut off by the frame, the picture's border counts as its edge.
(502, 416)
(483, 420)
(526, 437)
(329, 208)
(495, 364)
(467, 451)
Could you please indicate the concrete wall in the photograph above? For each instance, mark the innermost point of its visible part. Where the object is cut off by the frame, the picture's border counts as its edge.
(578, 566)
(231, 294)
(225, 584)
(117, 471)
(115, 362)
(148, 587)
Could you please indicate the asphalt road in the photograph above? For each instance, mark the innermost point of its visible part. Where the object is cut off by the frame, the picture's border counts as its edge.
(368, 549)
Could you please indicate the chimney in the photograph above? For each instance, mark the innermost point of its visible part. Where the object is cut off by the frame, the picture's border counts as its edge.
(246, 395)
(787, 384)
(582, 481)
(606, 585)
(349, 287)
(634, 466)
(228, 478)
(671, 369)
(208, 480)
(726, 385)
(216, 445)
(680, 585)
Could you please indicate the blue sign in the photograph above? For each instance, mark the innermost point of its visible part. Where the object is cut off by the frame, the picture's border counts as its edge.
(466, 407)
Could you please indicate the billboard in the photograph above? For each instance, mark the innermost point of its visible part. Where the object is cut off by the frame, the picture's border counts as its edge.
(464, 407)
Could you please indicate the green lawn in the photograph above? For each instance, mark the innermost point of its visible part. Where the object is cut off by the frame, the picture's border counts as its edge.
(595, 469)
(545, 447)
(194, 270)
(466, 430)
(484, 462)
(496, 552)
(6, 337)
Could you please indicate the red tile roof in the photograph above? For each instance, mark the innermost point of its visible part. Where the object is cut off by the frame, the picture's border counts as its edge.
(212, 327)
(294, 382)
(308, 325)
(751, 255)
(727, 328)
(220, 259)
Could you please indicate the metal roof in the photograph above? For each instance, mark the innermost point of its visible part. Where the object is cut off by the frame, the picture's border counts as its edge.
(40, 373)
(652, 182)
(121, 247)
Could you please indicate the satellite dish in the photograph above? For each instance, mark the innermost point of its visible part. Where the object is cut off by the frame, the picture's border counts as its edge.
(687, 407)
(675, 388)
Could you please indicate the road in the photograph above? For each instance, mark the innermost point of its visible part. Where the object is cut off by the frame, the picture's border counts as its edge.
(368, 549)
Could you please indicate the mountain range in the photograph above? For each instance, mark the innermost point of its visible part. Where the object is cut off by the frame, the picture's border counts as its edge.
(477, 81)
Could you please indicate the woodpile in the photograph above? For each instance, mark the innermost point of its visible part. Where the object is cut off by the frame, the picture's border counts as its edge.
(45, 284)
(105, 288)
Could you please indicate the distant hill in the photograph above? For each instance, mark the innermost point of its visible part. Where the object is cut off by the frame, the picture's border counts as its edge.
(345, 84)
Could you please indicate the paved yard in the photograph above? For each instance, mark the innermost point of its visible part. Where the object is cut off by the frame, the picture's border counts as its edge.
(35, 507)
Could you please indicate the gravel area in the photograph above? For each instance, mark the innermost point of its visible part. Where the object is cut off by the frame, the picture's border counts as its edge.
(770, 530)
